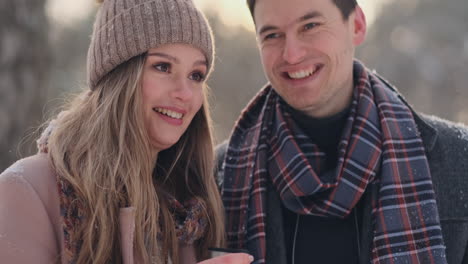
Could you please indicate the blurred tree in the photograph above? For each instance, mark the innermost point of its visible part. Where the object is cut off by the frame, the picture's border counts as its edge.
(238, 74)
(69, 43)
(422, 48)
(24, 60)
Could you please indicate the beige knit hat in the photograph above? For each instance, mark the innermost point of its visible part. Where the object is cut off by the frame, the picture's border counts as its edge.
(126, 28)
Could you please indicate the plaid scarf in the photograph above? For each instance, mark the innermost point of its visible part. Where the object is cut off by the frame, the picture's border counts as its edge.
(380, 145)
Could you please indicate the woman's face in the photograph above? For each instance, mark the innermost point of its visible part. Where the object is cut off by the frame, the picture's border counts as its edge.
(173, 85)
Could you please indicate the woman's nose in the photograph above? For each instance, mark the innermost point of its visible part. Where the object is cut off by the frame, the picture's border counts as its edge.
(183, 90)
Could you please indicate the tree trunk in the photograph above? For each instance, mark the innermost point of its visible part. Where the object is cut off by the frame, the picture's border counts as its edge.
(24, 67)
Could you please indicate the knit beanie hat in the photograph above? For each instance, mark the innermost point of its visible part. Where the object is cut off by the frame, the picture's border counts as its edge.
(126, 28)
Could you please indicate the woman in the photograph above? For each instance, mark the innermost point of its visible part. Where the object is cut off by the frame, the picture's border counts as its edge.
(93, 194)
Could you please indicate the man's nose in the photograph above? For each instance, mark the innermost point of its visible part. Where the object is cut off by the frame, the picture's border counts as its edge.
(293, 51)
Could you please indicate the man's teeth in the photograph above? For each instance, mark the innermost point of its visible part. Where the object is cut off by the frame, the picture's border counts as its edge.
(169, 113)
(300, 74)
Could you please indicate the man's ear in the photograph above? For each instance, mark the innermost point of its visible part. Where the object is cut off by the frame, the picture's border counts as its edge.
(360, 26)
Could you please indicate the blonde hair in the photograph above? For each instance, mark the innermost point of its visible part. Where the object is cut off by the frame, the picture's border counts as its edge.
(101, 147)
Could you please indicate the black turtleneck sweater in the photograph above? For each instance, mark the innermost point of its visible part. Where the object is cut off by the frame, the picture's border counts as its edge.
(322, 239)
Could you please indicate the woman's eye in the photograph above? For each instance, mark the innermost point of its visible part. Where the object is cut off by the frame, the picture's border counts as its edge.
(197, 76)
(162, 67)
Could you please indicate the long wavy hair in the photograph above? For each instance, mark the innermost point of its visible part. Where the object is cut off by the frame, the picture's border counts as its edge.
(100, 146)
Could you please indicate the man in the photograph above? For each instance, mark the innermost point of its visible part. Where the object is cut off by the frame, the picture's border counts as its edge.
(328, 163)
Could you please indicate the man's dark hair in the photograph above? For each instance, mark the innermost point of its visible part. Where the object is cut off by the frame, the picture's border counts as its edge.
(345, 6)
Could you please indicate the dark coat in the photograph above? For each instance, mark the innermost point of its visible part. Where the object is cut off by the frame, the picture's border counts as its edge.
(446, 145)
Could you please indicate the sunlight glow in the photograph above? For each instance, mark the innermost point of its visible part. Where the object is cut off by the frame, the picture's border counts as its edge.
(233, 12)
(236, 13)
(68, 12)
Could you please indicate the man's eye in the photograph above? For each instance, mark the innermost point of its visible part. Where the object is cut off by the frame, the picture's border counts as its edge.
(162, 67)
(271, 36)
(310, 26)
(197, 76)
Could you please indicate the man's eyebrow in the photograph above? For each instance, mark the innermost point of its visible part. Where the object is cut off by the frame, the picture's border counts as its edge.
(164, 55)
(307, 16)
(266, 28)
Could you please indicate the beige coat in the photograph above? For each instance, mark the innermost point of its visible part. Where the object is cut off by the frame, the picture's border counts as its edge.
(30, 221)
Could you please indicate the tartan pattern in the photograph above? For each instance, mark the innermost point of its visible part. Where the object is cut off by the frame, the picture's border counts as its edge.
(380, 145)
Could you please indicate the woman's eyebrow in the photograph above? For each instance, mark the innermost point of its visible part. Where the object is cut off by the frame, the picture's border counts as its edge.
(201, 62)
(166, 56)
(176, 60)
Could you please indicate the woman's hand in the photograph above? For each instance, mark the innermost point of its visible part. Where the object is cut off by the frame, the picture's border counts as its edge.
(232, 258)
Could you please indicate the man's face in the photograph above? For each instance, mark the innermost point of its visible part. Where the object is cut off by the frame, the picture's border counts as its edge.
(307, 51)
